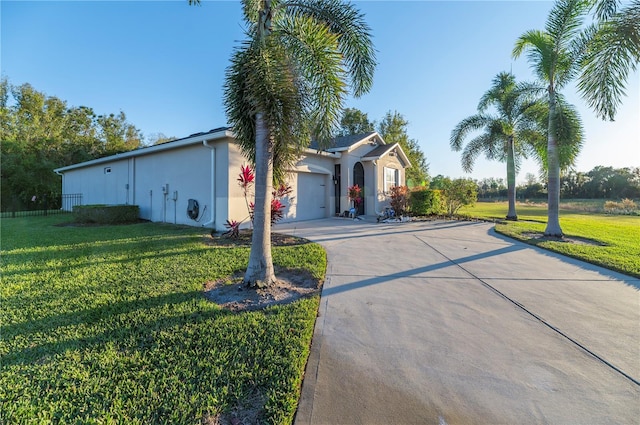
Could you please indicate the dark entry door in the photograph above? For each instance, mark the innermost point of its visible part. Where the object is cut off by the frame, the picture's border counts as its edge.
(358, 178)
(336, 190)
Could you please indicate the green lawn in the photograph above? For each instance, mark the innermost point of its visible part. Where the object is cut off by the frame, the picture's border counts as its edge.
(618, 235)
(109, 324)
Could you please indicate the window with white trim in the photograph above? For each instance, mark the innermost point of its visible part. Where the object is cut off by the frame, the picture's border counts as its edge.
(391, 178)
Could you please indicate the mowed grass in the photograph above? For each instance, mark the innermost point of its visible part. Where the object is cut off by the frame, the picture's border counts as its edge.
(109, 325)
(616, 237)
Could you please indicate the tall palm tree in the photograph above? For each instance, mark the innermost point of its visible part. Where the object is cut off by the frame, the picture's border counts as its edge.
(286, 84)
(508, 135)
(613, 52)
(555, 55)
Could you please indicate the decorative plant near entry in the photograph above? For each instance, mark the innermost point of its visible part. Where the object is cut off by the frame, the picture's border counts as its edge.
(399, 199)
(355, 195)
(246, 179)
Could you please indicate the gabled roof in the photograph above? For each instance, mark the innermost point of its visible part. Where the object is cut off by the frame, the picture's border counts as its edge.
(379, 151)
(343, 143)
(383, 150)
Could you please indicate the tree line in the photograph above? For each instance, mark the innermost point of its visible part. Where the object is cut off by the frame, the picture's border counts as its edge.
(599, 183)
(40, 133)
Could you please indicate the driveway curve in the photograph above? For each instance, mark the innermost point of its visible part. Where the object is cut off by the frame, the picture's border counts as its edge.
(449, 323)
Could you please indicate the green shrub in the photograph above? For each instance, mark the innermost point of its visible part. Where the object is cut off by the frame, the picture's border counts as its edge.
(458, 193)
(423, 201)
(106, 214)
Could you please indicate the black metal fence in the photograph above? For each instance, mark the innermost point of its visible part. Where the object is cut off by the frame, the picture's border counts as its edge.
(44, 206)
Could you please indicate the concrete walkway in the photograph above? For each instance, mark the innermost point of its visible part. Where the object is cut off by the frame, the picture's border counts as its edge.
(449, 323)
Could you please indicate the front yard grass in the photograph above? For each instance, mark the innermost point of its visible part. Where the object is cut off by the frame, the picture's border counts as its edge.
(612, 240)
(110, 325)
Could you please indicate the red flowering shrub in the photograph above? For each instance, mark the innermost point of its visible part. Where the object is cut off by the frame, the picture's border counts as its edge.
(355, 195)
(399, 199)
(246, 179)
(234, 229)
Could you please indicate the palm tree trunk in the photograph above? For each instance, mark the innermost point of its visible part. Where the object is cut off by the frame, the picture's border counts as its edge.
(553, 173)
(260, 271)
(511, 180)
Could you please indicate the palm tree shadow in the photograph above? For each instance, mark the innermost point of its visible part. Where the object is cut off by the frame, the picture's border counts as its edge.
(143, 333)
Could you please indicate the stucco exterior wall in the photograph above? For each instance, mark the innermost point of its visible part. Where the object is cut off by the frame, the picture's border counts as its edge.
(102, 184)
(205, 167)
(162, 183)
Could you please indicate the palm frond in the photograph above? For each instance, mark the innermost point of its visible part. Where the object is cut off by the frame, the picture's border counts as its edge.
(614, 52)
(315, 53)
(355, 42)
(569, 133)
(480, 144)
(295, 73)
(565, 21)
(606, 8)
(466, 126)
(502, 84)
(540, 53)
(239, 100)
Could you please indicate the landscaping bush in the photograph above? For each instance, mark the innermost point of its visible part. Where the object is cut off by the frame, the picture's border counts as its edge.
(423, 201)
(399, 199)
(106, 214)
(458, 193)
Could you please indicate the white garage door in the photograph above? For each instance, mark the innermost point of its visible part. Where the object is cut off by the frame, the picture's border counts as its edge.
(310, 197)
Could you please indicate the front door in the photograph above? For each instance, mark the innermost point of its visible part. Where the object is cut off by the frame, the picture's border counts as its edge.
(358, 178)
(336, 187)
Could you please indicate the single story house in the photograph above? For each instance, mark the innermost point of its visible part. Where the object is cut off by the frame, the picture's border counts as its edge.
(193, 180)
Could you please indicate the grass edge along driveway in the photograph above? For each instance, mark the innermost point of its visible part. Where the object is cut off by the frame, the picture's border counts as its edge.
(610, 241)
(110, 325)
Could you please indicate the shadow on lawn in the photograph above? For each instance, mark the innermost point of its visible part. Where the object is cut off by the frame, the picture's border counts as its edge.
(142, 332)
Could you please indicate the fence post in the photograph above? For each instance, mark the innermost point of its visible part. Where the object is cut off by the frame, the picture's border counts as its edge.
(46, 205)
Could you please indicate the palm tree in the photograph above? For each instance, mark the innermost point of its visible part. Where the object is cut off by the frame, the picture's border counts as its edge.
(555, 55)
(286, 83)
(612, 53)
(508, 135)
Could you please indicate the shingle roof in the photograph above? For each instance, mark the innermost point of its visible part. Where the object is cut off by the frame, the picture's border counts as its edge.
(378, 151)
(343, 142)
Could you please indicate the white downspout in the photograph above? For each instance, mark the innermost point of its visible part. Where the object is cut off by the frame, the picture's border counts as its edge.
(375, 186)
(212, 222)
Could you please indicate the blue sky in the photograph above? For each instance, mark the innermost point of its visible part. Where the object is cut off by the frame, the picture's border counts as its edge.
(163, 64)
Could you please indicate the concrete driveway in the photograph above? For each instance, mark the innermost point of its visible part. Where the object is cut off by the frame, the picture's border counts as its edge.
(449, 323)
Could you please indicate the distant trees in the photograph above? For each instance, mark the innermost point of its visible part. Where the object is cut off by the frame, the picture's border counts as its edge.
(40, 133)
(603, 183)
(599, 183)
(354, 121)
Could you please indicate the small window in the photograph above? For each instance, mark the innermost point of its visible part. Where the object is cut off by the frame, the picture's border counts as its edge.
(391, 178)
(107, 170)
